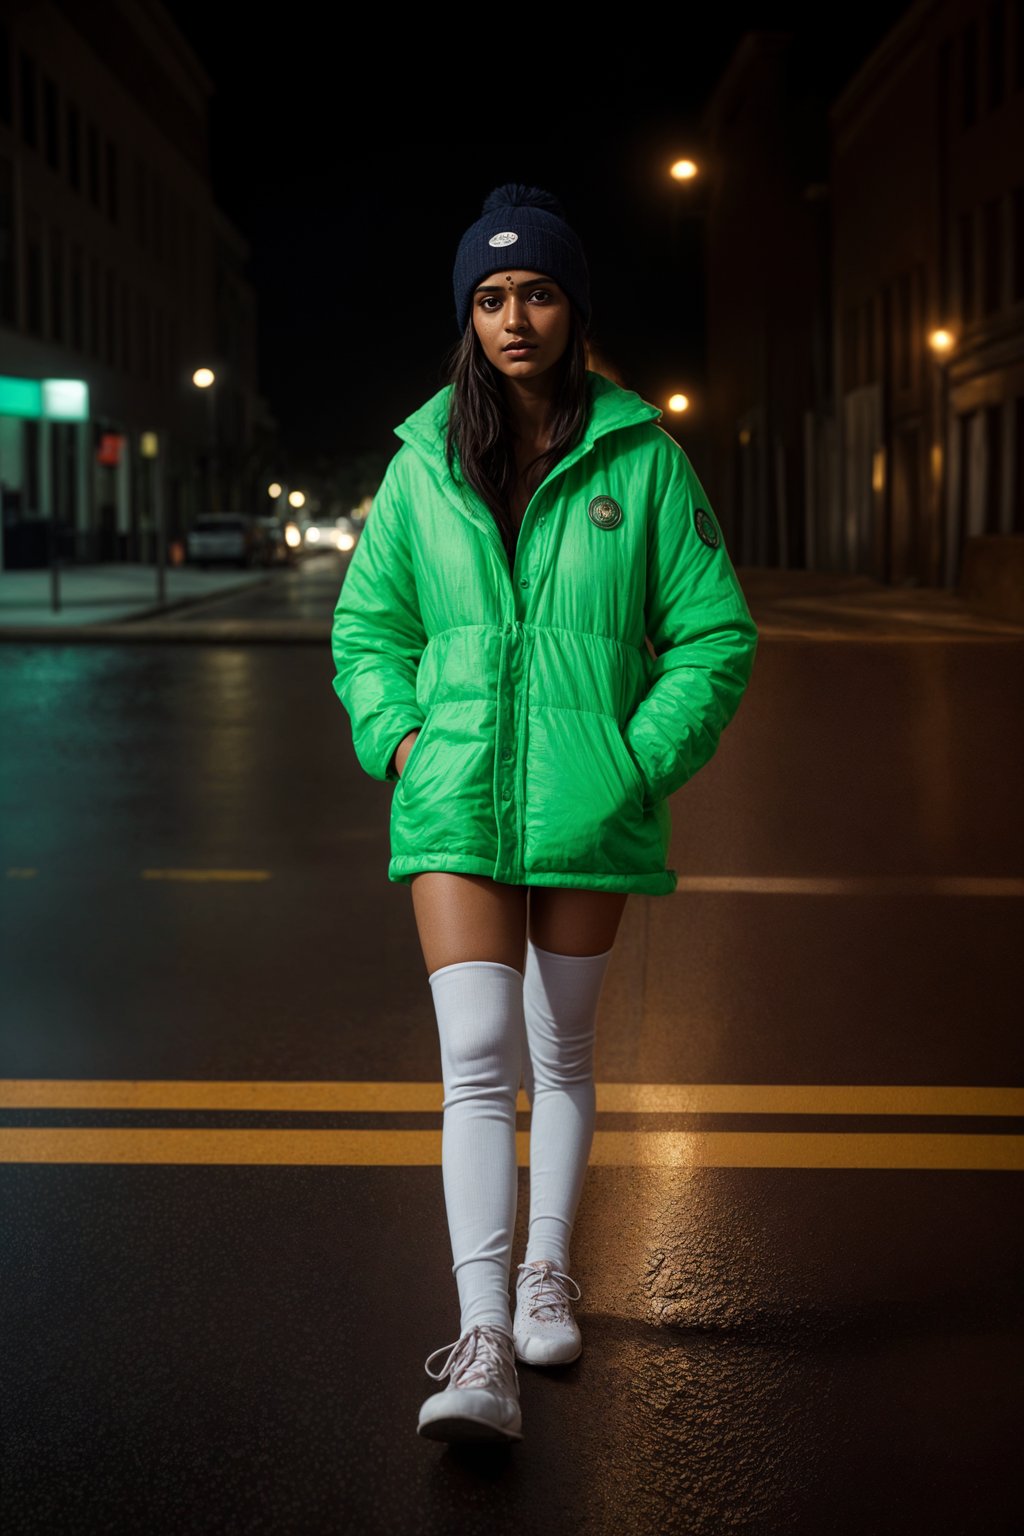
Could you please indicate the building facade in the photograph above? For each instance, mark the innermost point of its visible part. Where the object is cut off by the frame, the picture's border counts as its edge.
(119, 277)
(866, 298)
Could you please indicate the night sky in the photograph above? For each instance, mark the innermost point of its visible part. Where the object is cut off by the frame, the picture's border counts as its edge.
(352, 169)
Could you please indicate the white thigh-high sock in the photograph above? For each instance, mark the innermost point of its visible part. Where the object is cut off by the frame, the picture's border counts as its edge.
(560, 997)
(479, 1007)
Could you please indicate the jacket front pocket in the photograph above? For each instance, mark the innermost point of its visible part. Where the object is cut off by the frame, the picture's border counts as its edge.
(413, 754)
(584, 794)
(444, 798)
(631, 770)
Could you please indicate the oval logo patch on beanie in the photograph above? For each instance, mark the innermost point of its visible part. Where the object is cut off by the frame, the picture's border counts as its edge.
(506, 237)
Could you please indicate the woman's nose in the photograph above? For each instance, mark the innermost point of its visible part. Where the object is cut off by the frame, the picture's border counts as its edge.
(515, 315)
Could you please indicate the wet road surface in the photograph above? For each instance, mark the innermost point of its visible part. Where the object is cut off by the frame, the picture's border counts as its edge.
(225, 1255)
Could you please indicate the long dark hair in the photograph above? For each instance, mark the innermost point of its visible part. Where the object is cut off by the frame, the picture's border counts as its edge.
(478, 434)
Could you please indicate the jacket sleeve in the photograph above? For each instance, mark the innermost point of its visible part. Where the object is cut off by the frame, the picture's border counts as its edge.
(377, 636)
(700, 627)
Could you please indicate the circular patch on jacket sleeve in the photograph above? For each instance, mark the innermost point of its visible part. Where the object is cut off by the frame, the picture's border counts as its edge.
(706, 527)
(605, 512)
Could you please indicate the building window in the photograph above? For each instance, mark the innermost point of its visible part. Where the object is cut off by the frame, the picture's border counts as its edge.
(92, 139)
(996, 52)
(126, 328)
(112, 181)
(145, 347)
(94, 307)
(110, 317)
(992, 251)
(851, 348)
(993, 467)
(50, 124)
(77, 299)
(29, 103)
(6, 90)
(141, 221)
(34, 284)
(966, 228)
(172, 231)
(158, 217)
(56, 285)
(8, 246)
(74, 148)
(904, 305)
(969, 65)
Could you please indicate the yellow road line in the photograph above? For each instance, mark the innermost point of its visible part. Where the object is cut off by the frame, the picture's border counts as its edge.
(854, 885)
(426, 1097)
(621, 1149)
(206, 874)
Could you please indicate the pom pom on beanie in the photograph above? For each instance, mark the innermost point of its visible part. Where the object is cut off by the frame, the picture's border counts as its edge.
(522, 227)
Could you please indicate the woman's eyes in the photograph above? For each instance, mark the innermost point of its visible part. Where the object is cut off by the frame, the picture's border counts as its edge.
(489, 299)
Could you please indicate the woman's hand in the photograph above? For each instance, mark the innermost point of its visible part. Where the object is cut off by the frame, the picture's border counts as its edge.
(404, 748)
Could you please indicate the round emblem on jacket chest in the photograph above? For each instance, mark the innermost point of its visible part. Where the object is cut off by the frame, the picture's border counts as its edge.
(604, 512)
(705, 525)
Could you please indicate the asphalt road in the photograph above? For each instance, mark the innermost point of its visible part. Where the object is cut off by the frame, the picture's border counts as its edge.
(224, 1253)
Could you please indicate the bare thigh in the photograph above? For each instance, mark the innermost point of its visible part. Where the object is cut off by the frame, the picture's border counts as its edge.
(574, 921)
(471, 917)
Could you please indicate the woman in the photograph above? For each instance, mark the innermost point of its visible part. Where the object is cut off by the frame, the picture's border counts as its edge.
(490, 641)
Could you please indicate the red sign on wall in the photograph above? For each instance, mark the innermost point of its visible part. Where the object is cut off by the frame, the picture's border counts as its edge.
(111, 445)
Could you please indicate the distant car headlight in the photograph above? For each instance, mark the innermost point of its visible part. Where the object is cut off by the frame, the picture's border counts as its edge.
(292, 536)
(312, 535)
(345, 541)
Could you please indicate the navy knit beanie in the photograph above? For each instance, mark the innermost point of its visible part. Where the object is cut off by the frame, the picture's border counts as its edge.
(521, 227)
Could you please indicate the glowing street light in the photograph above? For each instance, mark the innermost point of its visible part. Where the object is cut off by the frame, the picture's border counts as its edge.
(683, 170)
(203, 378)
(296, 498)
(678, 403)
(940, 340)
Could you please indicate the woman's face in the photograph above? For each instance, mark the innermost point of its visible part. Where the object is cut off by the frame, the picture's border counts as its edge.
(522, 319)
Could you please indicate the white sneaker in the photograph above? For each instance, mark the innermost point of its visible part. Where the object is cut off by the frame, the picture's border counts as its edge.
(481, 1400)
(543, 1329)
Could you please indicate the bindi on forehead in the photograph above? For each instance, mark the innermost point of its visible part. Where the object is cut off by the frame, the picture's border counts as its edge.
(508, 279)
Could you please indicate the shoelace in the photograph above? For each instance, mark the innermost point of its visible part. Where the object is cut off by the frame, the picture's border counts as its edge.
(548, 1292)
(478, 1357)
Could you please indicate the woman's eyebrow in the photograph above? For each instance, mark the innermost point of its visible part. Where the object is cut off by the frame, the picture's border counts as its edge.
(531, 282)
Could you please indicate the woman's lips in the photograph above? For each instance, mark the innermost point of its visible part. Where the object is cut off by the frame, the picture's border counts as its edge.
(519, 347)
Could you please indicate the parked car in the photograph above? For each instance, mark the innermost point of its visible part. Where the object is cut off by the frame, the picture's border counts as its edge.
(273, 546)
(223, 536)
(338, 533)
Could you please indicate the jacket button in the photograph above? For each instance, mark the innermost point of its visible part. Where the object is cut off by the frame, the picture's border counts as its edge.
(506, 794)
(524, 582)
(508, 629)
(507, 752)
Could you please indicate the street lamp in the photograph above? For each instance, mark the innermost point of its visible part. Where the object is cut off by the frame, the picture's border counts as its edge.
(205, 378)
(941, 342)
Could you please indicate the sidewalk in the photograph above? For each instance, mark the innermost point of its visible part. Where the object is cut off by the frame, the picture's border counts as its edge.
(119, 602)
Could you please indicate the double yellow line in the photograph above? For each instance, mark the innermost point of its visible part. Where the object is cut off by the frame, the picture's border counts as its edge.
(952, 1149)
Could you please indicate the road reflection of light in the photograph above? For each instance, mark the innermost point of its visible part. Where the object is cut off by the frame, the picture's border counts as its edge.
(219, 783)
(705, 1327)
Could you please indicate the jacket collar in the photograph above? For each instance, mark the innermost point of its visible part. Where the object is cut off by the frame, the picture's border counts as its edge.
(611, 408)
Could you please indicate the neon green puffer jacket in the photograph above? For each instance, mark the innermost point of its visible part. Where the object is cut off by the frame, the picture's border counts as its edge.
(550, 736)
